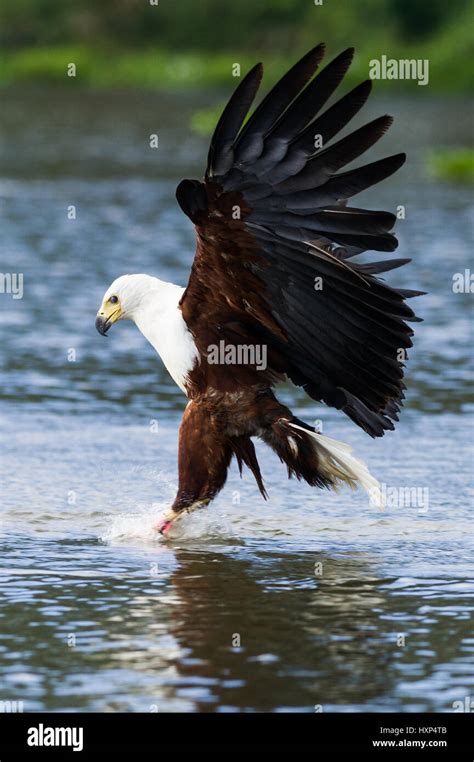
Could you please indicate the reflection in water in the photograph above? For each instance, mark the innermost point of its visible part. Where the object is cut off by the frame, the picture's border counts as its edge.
(348, 650)
(167, 638)
(301, 638)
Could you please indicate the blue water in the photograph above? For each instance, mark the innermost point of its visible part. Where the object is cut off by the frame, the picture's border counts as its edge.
(312, 599)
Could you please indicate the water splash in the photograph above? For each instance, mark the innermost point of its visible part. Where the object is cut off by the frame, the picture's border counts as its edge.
(139, 526)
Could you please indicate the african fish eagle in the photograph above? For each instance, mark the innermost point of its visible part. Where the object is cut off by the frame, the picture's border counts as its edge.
(274, 269)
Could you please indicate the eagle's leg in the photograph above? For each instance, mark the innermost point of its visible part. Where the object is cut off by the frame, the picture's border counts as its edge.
(204, 457)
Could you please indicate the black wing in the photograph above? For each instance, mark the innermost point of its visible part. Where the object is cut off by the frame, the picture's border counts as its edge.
(283, 269)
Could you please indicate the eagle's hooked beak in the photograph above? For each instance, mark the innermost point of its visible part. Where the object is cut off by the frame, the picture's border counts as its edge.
(109, 313)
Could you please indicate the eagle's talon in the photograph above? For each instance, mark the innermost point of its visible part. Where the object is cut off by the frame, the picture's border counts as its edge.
(164, 527)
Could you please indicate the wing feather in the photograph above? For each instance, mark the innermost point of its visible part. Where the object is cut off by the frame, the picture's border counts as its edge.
(272, 221)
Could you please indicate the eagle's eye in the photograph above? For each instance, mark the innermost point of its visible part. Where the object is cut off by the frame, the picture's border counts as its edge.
(113, 299)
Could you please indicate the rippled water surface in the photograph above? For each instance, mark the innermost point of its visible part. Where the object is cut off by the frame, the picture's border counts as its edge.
(312, 599)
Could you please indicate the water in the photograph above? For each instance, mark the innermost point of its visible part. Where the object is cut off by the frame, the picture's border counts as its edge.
(312, 599)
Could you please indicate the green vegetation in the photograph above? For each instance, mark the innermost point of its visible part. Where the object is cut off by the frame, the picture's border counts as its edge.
(452, 164)
(186, 43)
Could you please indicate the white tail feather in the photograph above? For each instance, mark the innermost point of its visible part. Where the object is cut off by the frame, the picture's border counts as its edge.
(337, 464)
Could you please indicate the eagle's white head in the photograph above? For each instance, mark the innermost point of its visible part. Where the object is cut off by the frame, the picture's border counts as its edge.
(153, 305)
(125, 298)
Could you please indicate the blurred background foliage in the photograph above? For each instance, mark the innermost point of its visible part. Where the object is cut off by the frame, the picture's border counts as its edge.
(190, 42)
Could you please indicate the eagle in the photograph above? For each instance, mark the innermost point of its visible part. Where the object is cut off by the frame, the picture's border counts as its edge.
(274, 294)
